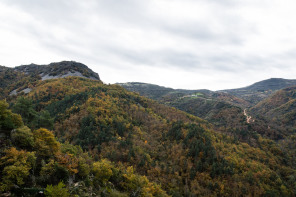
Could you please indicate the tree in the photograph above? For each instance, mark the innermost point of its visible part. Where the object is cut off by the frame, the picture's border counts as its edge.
(43, 119)
(57, 190)
(87, 132)
(23, 137)
(8, 120)
(16, 166)
(24, 107)
(103, 171)
(45, 143)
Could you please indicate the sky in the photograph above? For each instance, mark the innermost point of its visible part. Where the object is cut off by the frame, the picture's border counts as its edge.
(189, 44)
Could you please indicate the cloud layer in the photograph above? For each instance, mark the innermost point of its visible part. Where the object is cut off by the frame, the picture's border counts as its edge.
(189, 44)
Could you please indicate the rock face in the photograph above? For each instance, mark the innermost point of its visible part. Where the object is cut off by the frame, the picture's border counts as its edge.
(59, 70)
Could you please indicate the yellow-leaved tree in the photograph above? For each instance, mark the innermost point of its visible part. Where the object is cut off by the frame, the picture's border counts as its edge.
(16, 166)
(45, 143)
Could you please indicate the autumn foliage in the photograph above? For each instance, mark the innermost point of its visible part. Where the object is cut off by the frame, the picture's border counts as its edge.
(108, 141)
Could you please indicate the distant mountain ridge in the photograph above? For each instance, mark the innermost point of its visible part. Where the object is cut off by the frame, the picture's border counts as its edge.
(272, 84)
(155, 91)
(262, 89)
(251, 94)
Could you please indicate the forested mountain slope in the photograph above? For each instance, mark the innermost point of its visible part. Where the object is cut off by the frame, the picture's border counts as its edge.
(225, 111)
(179, 151)
(202, 103)
(157, 92)
(262, 89)
(279, 107)
(245, 97)
(249, 95)
(33, 163)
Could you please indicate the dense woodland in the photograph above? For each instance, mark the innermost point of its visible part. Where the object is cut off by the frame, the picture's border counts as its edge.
(80, 137)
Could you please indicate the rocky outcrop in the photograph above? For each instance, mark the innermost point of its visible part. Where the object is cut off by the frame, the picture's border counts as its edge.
(58, 70)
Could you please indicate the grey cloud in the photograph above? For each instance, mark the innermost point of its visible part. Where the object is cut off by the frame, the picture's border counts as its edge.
(129, 10)
(202, 33)
(225, 2)
(53, 11)
(184, 60)
(207, 47)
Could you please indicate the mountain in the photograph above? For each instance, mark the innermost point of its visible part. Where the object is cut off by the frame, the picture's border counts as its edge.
(219, 108)
(228, 109)
(114, 142)
(261, 90)
(21, 79)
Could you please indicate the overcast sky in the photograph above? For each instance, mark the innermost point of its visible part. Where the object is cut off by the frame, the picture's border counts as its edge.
(189, 44)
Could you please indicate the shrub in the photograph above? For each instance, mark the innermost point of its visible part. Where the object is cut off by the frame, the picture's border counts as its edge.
(57, 190)
(23, 137)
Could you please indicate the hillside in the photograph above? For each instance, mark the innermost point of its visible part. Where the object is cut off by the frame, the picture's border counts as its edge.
(157, 92)
(221, 108)
(172, 152)
(170, 147)
(202, 103)
(245, 97)
(280, 107)
(34, 163)
(261, 90)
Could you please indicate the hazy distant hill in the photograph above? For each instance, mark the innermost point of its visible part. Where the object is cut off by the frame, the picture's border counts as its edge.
(158, 92)
(251, 94)
(262, 89)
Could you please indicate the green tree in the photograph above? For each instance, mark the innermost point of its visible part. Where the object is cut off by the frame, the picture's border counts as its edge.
(87, 133)
(24, 107)
(43, 119)
(16, 166)
(8, 120)
(23, 137)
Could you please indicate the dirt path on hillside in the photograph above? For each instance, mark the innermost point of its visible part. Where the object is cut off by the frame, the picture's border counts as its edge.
(249, 118)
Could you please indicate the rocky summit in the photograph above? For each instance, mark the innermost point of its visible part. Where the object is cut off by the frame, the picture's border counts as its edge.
(58, 70)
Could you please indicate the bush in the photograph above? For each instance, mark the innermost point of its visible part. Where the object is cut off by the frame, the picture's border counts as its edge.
(57, 190)
(103, 171)
(23, 137)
